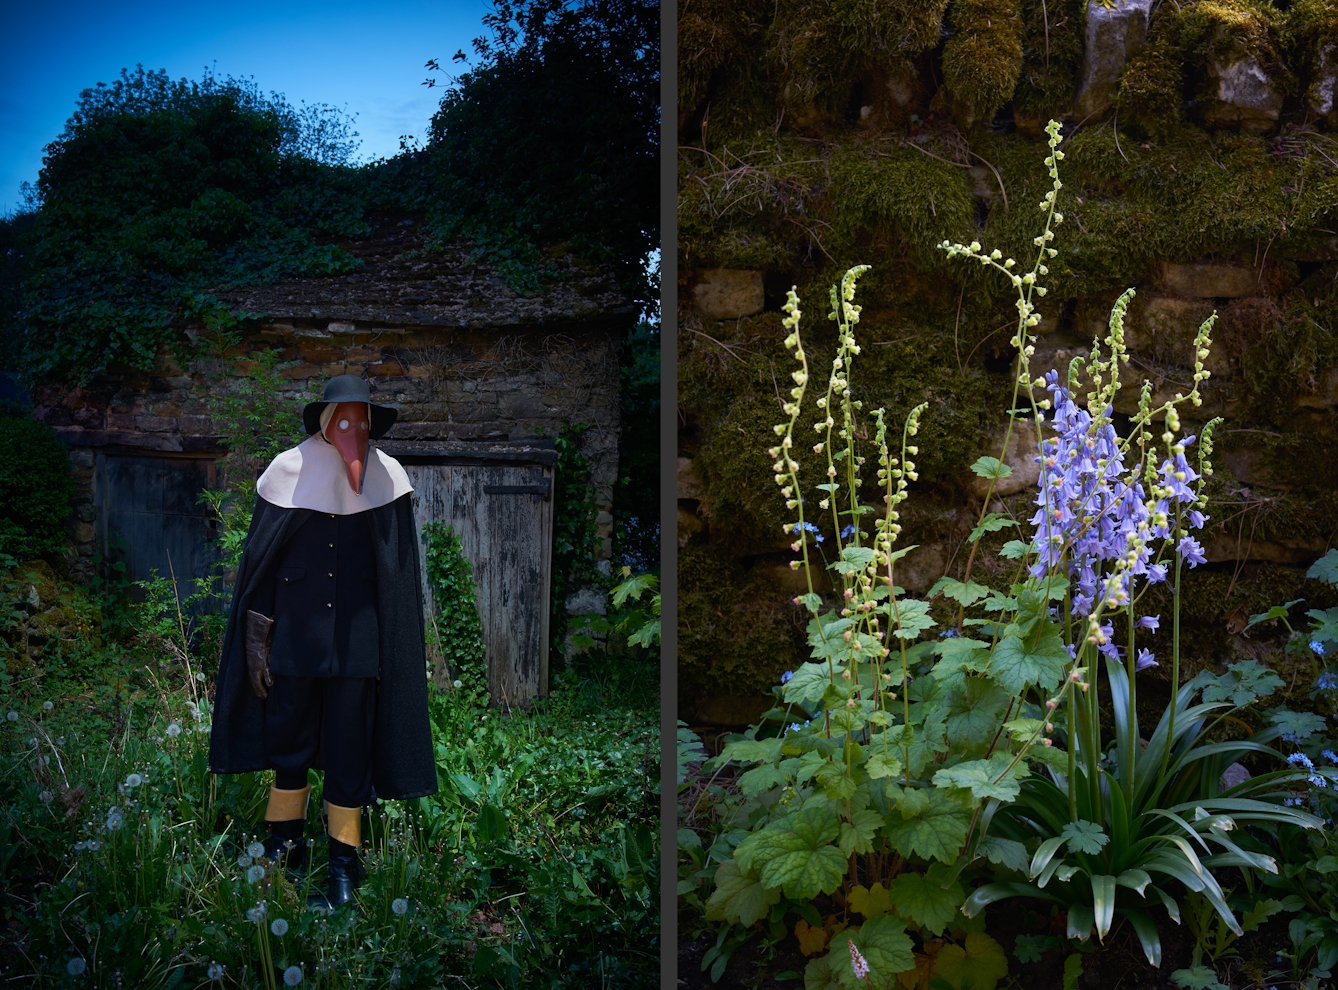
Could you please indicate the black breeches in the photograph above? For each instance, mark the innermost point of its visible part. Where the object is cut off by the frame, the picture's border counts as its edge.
(327, 717)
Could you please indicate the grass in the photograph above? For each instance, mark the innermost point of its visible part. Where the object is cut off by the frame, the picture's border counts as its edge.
(126, 863)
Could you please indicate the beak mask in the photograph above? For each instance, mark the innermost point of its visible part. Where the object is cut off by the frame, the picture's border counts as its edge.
(347, 432)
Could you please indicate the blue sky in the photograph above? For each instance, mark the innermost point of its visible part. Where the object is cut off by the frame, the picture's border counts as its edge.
(365, 57)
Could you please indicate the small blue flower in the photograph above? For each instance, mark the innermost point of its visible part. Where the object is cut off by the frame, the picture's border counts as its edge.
(795, 727)
(785, 677)
(848, 531)
(1327, 681)
(949, 634)
(1329, 755)
(1317, 646)
(1300, 758)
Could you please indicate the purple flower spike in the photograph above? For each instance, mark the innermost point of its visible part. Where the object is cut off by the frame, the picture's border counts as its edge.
(1150, 622)
(1145, 660)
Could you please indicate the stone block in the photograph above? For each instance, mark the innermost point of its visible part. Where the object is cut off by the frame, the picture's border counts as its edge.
(1162, 329)
(728, 293)
(83, 532)
(1020, 456)
(156, 424)
(689, 482)
(196, 425)
(81, 458)
(385, 369)
(165, 408)
(689, 525)
(920, 568)
(782, 577)
(521, 405)
(1322, 96)
(1325, 394)
(586, 601)
(1246, 96)
(1207, 280)
(361, 355)
(1113, 35)
(344, 328)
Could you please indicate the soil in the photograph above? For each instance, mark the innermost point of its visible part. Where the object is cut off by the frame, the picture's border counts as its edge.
(1119, 964)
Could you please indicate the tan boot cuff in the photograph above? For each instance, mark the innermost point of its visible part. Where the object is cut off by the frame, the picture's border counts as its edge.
(345, 824)
(287, 806)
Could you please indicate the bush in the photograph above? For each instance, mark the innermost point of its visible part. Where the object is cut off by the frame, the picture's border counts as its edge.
(35, 488)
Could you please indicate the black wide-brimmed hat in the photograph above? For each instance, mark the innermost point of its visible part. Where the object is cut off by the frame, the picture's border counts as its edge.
(349, 388)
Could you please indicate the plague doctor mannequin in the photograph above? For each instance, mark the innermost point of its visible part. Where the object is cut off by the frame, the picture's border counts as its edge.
(323, 662)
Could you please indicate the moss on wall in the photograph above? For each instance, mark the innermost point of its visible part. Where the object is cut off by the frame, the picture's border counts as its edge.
(982, 57)
(831, 143)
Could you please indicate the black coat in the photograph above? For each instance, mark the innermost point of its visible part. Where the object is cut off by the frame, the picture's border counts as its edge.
(402, 758)
(321, 593)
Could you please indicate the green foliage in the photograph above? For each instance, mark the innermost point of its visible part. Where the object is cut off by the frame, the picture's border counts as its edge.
(636, 499)
(574, 535)
(456, 631)
(35, 488)
(552, 136)
(983, 751)
(540, 848)
(158, 190)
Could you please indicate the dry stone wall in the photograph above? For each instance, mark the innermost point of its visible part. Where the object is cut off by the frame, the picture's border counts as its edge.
(1201, 170)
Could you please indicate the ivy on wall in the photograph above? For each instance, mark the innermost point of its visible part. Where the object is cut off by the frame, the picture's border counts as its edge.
(456, 625)
(159, 191)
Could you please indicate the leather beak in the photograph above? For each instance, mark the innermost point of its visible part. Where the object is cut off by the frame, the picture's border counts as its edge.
(347, 432)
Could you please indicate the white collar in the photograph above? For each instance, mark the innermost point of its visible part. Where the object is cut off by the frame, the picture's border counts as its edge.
(312, 476)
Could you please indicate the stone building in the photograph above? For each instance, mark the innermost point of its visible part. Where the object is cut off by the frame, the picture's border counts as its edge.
(481, 376)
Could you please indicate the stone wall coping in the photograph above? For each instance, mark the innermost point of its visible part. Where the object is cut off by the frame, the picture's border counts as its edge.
(75, 436)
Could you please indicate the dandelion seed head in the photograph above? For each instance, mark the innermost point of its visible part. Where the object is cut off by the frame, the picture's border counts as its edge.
(279, 927)
(173, 731)
(47, 706)
(133, 780)
(255, 850)
(255, 874)
(76, 966)
(215, 971)
(12, 716)
(243, 861)
(292, 976)
(399, 905)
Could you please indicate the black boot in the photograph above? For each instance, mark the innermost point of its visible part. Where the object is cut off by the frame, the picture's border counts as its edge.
(343, 875)
(285, 844)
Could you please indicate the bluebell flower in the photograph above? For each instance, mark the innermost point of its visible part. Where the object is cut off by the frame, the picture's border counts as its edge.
(1189, 548)
(1145, 660)
(1317, 646)
(1150, 622)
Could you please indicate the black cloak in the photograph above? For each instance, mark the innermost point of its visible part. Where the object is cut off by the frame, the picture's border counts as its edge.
(402, 757)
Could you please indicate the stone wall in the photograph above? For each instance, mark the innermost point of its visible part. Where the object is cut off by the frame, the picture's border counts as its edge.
(1201, 170)
(448, 385)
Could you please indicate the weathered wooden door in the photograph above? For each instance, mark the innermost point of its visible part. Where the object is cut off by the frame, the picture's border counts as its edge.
(502, 510)
(149, 515)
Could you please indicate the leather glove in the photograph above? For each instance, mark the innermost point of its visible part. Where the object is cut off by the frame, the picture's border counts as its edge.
(259, 632)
